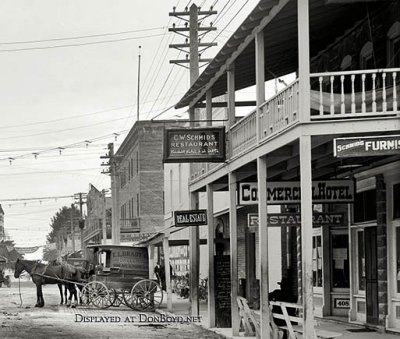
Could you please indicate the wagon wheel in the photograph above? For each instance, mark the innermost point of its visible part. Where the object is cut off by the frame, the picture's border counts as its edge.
(96, 293)
(129, 299)
(146, 295)
(115, 297)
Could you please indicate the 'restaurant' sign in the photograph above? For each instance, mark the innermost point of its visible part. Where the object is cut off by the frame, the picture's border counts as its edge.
(366, 146)
(190, 218)
(288, 192)
(294, 219)
(194, 145)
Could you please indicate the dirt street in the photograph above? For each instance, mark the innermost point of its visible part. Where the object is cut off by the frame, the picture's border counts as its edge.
(54, 321)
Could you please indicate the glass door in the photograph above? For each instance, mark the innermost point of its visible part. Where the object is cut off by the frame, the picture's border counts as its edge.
(340, 273)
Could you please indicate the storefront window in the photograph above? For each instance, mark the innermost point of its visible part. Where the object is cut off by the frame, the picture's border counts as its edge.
(361, 261)
(340, 258)
(365, 206)
(317, 261)
(396, 201)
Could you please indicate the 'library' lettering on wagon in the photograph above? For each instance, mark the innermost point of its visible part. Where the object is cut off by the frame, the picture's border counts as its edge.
(288, 192)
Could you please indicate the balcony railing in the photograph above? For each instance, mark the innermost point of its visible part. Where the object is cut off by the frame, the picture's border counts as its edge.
(334, 95)
(130, 225)
(355, 94)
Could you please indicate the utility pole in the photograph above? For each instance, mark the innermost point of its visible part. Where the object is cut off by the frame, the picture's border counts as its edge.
(112, 170)
(191, 47)
(192, 41)
(72, 228)
(79, 197)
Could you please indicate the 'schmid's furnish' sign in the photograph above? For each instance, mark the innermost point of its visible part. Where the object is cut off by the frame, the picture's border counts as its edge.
(288, 192)
(190, 218)
(366, 146)
(294, 219)
(194, 145)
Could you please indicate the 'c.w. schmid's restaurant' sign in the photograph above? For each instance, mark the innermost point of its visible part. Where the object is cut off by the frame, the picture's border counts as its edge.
(288, 192)
(194, 144)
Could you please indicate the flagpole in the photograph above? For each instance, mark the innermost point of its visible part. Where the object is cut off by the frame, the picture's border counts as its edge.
(138, 86)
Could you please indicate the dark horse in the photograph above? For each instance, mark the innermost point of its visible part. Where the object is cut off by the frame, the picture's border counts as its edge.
(48, 274)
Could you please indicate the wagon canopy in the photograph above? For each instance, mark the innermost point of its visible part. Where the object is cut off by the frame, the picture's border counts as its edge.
(126, 258)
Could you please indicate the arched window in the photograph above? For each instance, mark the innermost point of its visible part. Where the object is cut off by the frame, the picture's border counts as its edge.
(393, 46)
(366, 56)
(367, 62)
(346, 63)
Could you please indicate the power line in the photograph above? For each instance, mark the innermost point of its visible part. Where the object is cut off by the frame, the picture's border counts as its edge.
(81, 36)
(79, 44)
(236, 14)
(39, 198)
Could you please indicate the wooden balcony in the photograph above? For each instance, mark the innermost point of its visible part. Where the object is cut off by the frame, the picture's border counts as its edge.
(334, 96)
(130, 225)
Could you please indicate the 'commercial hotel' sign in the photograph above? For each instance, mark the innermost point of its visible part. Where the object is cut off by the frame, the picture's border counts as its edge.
(194, 144)
(288, 192)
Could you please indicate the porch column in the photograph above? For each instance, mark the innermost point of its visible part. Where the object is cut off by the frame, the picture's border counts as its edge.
(194, 249)
(304, 60)
(306, 235)
(210, 245)
(263, 247)
(260, 80)
(233, 253)
(150, 250)
(167, 273)
(209, 108)
(231, 104)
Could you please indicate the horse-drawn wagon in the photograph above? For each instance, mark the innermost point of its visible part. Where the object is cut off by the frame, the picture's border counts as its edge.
(120, 275)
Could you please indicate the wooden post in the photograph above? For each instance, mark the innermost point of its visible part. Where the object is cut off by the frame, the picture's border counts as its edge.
(306, 235)
(194, 249)
(209, 108)
(233, 253)
(304, 60)
(210, 244)
(263, 248)
(231, 105)
(167, 274)
(260, 79)
(150, 250)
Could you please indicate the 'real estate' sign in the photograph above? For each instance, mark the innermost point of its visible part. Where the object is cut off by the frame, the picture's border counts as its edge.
(366, 146)
(294, 219)
(194, 145)
(190, 218)
(288, 192)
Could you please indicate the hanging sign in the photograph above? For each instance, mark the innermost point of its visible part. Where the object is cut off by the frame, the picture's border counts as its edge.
(194, 145)
(366, 146)
(190, 218)
(294, 219)
(134, 237)
(288, 192)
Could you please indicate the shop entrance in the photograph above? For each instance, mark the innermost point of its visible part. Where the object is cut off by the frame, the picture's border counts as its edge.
(371, 275)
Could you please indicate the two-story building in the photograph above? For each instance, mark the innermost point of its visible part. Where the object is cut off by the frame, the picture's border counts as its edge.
(325, 150)
(97, 228)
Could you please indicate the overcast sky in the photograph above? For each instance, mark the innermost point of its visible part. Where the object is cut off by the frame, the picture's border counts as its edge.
(52, 97)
